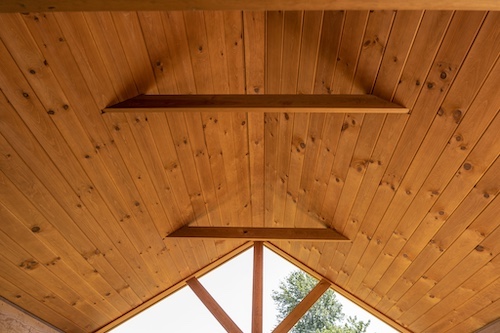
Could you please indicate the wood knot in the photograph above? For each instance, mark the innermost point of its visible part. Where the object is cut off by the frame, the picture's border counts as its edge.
(479, 248)
(35, 229)
(457, 115)
(29, 264)
(467, 166)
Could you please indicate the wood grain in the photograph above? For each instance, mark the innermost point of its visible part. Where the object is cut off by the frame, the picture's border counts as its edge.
(134, 5)
(257, 103)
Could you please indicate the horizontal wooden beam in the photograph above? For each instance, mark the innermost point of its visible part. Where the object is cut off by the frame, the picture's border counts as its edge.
(213, 306)
(258, 103)
(300, 310)
(260, 234)
(135, 5)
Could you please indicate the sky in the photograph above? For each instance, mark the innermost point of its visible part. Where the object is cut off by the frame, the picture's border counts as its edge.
(231, 286)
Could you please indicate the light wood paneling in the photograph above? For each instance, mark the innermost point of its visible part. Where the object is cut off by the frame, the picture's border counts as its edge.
(88, 199)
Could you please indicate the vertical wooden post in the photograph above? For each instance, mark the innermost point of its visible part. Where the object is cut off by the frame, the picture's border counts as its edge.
(258, 281)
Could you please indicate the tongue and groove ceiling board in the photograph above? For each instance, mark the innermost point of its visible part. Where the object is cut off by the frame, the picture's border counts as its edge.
(87, 198)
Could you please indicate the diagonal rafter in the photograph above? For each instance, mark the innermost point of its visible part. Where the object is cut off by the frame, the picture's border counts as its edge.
(301, 308)
(213, 306)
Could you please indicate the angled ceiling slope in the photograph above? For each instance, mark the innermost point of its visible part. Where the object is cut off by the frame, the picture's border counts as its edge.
(87, 199)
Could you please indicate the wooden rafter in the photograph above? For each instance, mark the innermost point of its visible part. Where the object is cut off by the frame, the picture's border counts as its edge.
(213, 306)
(301, 308)
(260, 234)
(133, 5)
(258, 285)
(258, 103)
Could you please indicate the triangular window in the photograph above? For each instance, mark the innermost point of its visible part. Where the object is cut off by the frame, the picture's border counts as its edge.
(231, 286)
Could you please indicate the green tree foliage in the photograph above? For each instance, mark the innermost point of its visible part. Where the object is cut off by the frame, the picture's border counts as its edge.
(325, 316)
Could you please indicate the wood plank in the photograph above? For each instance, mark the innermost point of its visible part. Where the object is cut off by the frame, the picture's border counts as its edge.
(175, 32)
(258, 285)
(292, 39)
(78, 34)
(416, 66)
(301, 308)
(453, 50)
(137, 5)
(331, 33)
(492, 327)
(71, 128)
(402, 36)
(11, 252)
(260, 234)
(257, 103)
(213, 306)
(254, 27)
(272, 123)
(428, 213)
(480, 318)
(463, 247)
(373, 48)
(483, 283)
(21, 298)
(397, 50)
(16, 319)
(58, 263)
(254, 36)
(312, 23)
(158, 50)
(44, 294)
(183, 165)
(132, 40)
(111, 59)
(291, 45)
(28, 146)
(482, 250)
(475, 119)
(465, 301)
(349, 50)
(418, 261)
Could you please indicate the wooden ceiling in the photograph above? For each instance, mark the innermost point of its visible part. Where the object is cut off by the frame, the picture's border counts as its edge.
(87, 198)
